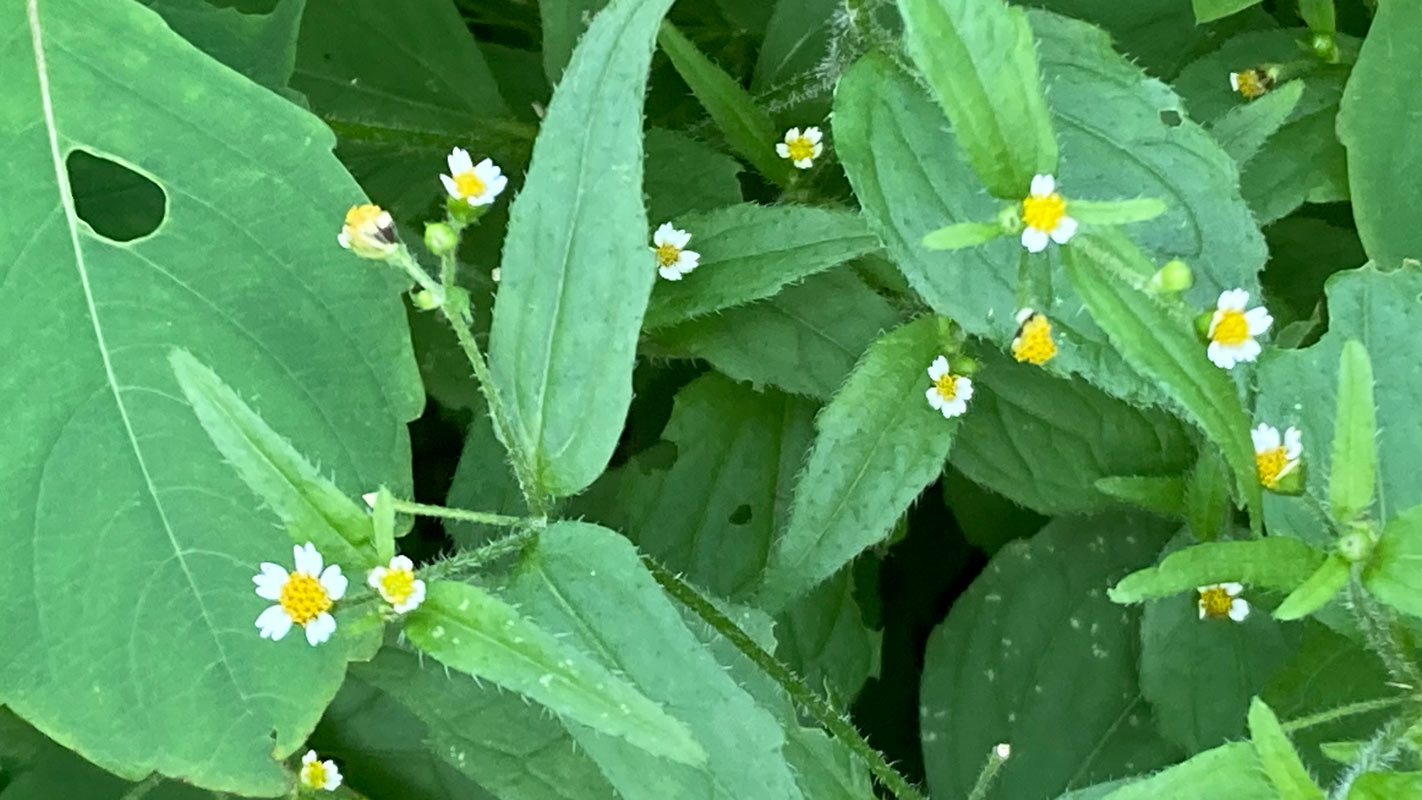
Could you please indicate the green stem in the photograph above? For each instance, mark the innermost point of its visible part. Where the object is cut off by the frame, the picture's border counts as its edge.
(143, 787)
(996, 758)
(481, 517)
(1379, 631)
(1349, 710)
(470, 562)
(814, 705)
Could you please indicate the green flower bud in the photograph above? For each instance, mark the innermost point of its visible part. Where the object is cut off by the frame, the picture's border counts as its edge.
(964, 365)
(1009, 218)
(1324, 47)
(1175, 276)
(1202, 325)
(440, 238)
(1356, 545)
(424, 300)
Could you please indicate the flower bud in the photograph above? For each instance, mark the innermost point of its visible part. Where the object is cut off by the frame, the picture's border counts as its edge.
(424, 300)
(1175, 276)
(440, 238)
(1356, 545)
(1324, 47)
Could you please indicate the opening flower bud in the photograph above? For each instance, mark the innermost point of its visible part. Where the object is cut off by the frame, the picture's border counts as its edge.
(1175, 276)
(440, 238)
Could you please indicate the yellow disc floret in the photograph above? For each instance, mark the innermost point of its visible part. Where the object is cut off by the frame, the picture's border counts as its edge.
(397, 585)
(800, 149)
(1271, 464)
(1216, 601)
(469, 184)
(947, 386)
(304, 598)
(313, 774)
(1231, 328)
(667, 254)
(1043, 212)
(1033, 343)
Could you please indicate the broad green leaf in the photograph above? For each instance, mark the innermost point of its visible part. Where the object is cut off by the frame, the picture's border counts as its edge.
(748, 252)
(1044, 441)
(987, 519)
(1244, 129)
(46, 771)
(588, 583)
(577, 272)
(1007, 665)
(260, 46)
(1300, 388)
(1311, 595)
(1199, 674)
(797, 40)
(1380, 99)
(564, 22)
(1160, 35)
(878, 444)
(747, 127)
(1276, 563)
(1386, 785)
(980, 61)
(1278, 757)
(102, 448)
(1354, 475)
(707, 499)
(1157, 341)
(1163, 495)
(1319, 15)
(684, 175)
(479, 732)
(483, 481)
(1208, 502)
(824, 638)
(312, 508)
(1391, 574)
(1207, 10)
(470, 630)
(804, 340)
(1231, 770)
(910, 178)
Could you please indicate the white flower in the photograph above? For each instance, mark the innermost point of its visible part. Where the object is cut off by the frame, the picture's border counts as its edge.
(369, 231)
(801, 148)
(303, 597)
(950, 393)
(1232, 329)
(317, 774)
(1044, 214)
(398, 585)
(475, 184)
(1274, 457)
(673, 259)
(1222, 600)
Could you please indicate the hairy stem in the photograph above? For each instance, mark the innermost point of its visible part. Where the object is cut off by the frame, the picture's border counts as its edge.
(996, 758)
(1349, 710)
(1380, 632)
(813, 704)
(481, 517)
(469, 562)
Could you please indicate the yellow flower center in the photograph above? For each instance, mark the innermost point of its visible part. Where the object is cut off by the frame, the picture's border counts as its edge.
(397, 585)
(1043, 212)
(303, 598)
(469, 184)
(1216, 602)
(947, 386)
(1252, 83)
(313, 774)
(800, 149)
(364, 217)
(1270, 464)
(1230, 328)
(667, 254)
(1034, 343)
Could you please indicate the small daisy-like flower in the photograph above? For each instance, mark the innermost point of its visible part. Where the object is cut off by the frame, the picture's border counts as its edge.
(801, 148)
(950, 393)
(317, 774)
(1222, 600)
(1044, 214)
(1033, 342)
(1275, 457)
(369, 231)
(398, 585)
(1251, 83)
(1232, 329)
(673, 259)
(476, 184)
(303, 597)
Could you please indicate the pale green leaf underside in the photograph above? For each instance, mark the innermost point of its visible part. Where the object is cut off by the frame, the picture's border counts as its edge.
(130, 614)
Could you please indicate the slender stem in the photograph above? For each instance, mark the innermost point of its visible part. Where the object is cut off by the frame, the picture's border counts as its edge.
(1379, 631)
(996, 758)
(481, 517)
(1351, 709)
(143, 787)
(469, 562)
(813, 704)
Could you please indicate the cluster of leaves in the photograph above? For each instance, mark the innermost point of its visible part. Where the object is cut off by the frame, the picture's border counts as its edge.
(688, 538)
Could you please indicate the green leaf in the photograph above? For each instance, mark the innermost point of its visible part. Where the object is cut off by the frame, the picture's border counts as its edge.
(1353, 479)
(1392, 575)
(684, 175)
(1380, 98)
(963, 234)
(1319, 15)
(1160, 35)
(313, 508)
(804, 340)
(483, 480)
(1116, 212)
(1006, 666)
(471, 630)
(476, 731)
(980, 61)
(1208, 502)
(1276, 563)
(910, 178)
(260, 46)
(747, 127)
(1244, 129)
(1386, 786)
(114, 490)
(576, 274)
(748, 252)
(1311, 595)
(1231, 770)
(1163, 495)
(1207, 10)
(1278, 757)
(824, 638)
(48, 771)
(877, 445)
(589, 584)
(564, 22)
(707, 498)
(1044, 441)
(988, 520)
(1156, 341)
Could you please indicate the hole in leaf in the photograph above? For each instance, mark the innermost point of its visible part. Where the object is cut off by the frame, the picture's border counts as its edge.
(1170, 117)
(741, 515)
(657, 458)
(118, 203)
